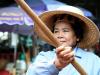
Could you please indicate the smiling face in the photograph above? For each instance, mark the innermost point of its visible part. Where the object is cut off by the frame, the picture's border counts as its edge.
(65, 34)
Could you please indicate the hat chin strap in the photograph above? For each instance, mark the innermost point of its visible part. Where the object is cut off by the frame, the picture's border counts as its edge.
(46, 32)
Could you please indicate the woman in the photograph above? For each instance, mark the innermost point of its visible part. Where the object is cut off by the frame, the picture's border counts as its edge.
(75, 33)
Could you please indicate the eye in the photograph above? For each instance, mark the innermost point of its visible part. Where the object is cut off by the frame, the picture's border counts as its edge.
(56, 31)
(65, 30)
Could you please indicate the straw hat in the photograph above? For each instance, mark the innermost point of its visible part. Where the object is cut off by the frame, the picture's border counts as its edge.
(91, 32)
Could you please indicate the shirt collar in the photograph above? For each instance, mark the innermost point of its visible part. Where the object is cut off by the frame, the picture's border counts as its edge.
(78, 52)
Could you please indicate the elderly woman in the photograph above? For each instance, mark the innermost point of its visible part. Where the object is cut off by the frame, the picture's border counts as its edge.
(75, 33)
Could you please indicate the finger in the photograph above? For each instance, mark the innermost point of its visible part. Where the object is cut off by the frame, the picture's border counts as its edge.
(65, 51)
(71, 59)
(70, 54)
(67, 61)
(67, 56)
(68, 48)
(59, 49)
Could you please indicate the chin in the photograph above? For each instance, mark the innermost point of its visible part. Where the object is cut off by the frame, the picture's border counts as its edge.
(64, 44)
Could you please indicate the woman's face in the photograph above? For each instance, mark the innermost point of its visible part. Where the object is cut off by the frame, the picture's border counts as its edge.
(65, 34)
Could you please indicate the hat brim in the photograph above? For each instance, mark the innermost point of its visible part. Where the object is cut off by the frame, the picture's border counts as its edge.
(91, 32)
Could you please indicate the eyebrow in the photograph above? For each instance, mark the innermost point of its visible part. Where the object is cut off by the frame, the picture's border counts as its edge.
(66, 28)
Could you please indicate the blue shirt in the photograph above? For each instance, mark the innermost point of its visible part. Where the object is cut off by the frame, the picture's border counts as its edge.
(43, 64)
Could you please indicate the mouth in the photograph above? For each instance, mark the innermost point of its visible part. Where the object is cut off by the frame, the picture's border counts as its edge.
(65, 43)
(62, 42)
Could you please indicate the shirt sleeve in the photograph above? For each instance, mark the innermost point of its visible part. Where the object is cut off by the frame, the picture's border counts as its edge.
(42, 66)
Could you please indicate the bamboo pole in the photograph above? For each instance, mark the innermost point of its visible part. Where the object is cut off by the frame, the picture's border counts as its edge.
(47, 33)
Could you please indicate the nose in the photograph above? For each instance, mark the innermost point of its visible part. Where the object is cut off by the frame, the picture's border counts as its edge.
(59, 37)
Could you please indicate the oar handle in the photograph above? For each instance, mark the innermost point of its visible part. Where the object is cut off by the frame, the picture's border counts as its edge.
(40, 24)
(78, 67)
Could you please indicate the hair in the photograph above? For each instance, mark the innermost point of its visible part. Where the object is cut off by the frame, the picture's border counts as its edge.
(76, 24)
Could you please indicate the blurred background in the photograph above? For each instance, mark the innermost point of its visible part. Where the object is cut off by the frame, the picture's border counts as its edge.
(18, 42)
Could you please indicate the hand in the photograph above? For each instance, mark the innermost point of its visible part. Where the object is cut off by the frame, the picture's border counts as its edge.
(65, 55)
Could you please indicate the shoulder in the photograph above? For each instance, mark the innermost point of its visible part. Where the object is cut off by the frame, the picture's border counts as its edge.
(89, 55)
(88, 60)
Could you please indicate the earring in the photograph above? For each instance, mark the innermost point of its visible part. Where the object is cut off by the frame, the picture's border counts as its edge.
(77, 40)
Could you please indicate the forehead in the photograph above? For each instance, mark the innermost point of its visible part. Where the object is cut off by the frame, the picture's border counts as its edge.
(63, 24)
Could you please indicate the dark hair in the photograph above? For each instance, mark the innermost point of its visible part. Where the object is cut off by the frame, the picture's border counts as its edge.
(76, 24)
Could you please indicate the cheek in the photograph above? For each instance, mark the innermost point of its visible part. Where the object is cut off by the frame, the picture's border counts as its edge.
(71, 38)
(55, 35)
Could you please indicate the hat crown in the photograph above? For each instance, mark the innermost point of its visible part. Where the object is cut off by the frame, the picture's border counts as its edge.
(71, 9)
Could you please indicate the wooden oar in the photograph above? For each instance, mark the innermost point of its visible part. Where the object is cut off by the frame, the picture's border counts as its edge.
(45, 32)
